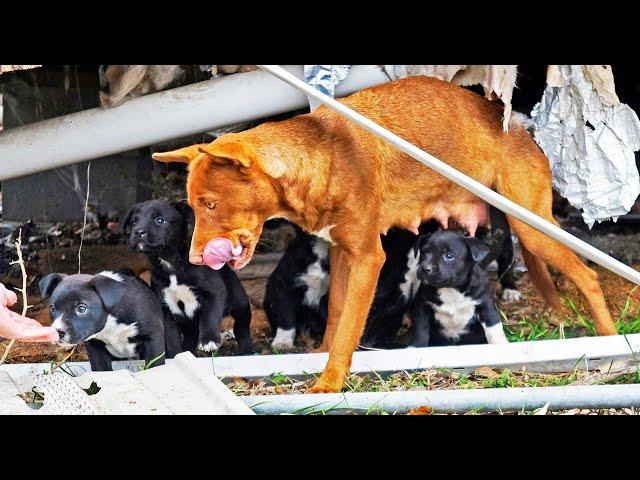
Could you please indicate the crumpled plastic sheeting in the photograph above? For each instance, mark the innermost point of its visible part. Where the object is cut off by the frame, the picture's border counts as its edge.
(324, 78)
(590, 139)
(497, 80)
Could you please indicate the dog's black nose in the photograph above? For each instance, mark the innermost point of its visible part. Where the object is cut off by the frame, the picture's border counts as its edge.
(141, 233)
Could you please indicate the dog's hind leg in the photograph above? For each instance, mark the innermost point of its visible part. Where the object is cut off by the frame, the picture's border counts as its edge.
(538, 248)
(363, 272)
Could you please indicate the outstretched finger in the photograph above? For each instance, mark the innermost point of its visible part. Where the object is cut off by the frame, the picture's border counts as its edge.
(39, 334)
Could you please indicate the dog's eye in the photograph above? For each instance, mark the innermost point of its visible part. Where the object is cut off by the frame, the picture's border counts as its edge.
(81, 309)
(448, 256)
(211, 204)
(52, 307)
(160, 221)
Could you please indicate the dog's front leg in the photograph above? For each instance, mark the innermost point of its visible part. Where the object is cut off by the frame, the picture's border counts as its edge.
(99, 357)
(363, 269)
(491, 322)
(209, 339)
(421, 314)
(339, 279)
(172, 334)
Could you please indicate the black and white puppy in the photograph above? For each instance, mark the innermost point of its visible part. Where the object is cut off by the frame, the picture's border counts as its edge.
(454, 304)
(117, 316)
(296, 295)
(195, 298)
(500, 241)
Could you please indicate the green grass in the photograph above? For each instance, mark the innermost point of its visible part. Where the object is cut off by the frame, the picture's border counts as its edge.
(528, 329)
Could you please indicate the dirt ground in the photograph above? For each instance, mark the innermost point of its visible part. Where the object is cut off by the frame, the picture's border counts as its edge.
(528, 319)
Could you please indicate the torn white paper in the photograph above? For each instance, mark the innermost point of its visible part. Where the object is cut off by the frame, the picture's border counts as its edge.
(590, 139)
(496, 80)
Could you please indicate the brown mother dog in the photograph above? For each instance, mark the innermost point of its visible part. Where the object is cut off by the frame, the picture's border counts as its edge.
(333, 178)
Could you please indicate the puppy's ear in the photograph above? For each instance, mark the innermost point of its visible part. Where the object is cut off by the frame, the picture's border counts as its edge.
(182, 155)
(479, 250)
(49, 283)
(185, 210)
(109, 290)
(126, 223)
(419, 243)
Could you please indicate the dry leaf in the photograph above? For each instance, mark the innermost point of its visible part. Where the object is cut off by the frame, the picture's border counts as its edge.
(486, 372)
(542, 410)
(423, 410)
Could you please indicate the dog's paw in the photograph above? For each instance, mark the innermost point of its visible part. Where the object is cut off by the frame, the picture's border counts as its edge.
(510, 295)
(284, 339)
(322, 387)
(208, 347)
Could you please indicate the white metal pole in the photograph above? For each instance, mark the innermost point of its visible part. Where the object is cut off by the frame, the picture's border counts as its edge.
(461, 179)
(450, 401)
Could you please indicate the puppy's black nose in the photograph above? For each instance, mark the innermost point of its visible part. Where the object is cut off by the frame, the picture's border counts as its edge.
(141, 233)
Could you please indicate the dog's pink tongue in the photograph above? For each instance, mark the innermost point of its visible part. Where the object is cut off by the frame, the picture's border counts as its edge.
(219, 251)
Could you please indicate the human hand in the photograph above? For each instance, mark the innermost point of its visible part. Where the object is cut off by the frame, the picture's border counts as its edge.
(15, 326)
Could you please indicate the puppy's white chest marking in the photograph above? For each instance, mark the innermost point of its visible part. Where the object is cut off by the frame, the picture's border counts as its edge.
(325, 233)
(116, 337)
(315, 278)
(176, 294)
(411, 283)
(455, 312)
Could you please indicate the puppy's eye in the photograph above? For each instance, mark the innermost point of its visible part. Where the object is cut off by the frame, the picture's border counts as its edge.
(52, 307)
(81, 309)
(134, 220)
(211, 204)
(160, 221)
(448, 256)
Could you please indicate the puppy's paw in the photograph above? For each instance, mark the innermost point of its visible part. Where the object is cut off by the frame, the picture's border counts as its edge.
(284, 339)
(208, 347)
(510, 295)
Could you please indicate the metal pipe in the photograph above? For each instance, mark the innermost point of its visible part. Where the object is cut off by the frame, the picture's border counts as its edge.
(461, 179)
(155, 118)
(451, 401)
(551, 356)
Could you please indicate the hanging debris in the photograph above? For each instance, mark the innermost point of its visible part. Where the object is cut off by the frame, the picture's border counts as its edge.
(13, 68)
(590, 139)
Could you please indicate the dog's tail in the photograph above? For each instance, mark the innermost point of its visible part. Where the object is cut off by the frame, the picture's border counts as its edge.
(527, 182)
(540, 277)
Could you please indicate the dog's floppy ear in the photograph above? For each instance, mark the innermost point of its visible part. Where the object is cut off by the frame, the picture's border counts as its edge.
(185, 210)
(49, 283)
(245, 155)
(109, 290)
(182, 155)
(240, 153)
(479, 250)
(126, 223)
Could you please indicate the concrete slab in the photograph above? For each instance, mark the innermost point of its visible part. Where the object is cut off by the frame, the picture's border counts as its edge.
(183, 387)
